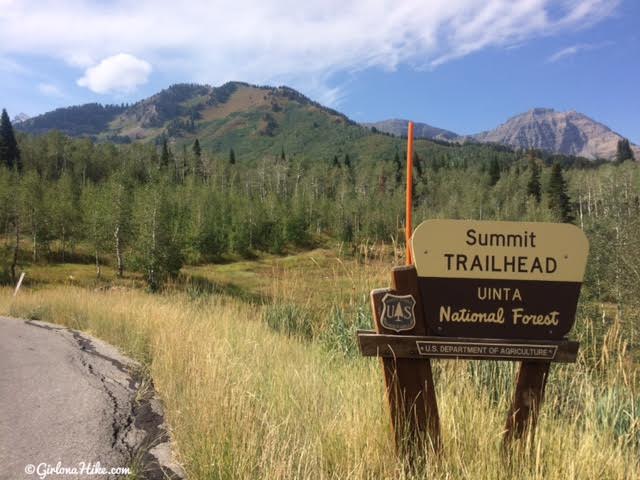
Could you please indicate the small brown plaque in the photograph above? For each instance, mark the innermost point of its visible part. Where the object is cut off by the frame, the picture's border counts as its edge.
(498, 351)
(418, 346)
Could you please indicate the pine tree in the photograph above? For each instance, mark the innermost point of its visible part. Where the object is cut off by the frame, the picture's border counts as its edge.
(198, 168)
(398, 168)
(197, 151)
(494, 172)
(165, 155)
(185, 164)
(348, 170)
(623, 151)
(533, 186)
(558, 197)
(417, 164)
(9, 151)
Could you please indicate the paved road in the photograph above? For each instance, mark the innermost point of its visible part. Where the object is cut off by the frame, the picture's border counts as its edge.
(67, 398)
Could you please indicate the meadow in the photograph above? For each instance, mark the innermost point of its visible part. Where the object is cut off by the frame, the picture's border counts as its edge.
(239, 283)
(257, 366)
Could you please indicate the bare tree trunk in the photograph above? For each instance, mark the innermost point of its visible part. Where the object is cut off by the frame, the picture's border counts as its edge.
(98, 269)
(35, 246)
(63, 244)
(16, 248)
(152, 270)
(581, 216)
(626, 196)
(116, 235)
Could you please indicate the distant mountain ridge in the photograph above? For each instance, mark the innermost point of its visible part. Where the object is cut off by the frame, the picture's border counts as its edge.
(568, 133)
(259, 119)
(399, 127)
(87, 119)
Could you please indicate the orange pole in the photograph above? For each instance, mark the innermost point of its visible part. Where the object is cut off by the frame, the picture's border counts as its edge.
(409, 201)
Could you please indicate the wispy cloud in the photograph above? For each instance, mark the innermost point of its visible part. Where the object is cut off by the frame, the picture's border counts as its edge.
(50, 90)
(574, 49)
(8, 65)
(296, 42)
(565, 52)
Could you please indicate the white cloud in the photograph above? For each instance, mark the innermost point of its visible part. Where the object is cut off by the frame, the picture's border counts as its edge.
(574, 49)
(298, 43)
(565, 52)
(79, 59)
(50, 90)
(120, 73)
(8, 65)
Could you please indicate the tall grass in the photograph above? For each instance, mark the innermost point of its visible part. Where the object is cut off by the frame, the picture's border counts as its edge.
(246, 401)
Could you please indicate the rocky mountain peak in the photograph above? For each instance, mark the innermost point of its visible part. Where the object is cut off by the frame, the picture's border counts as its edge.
(21, 117)
(569, 133)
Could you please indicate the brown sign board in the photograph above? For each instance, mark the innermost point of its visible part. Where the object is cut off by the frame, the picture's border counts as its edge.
(502, 280)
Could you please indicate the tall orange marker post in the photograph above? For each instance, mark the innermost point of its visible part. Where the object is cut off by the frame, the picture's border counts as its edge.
(409, 200)
(409, 381)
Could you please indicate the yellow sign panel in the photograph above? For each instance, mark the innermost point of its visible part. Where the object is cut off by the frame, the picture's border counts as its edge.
(474, 249)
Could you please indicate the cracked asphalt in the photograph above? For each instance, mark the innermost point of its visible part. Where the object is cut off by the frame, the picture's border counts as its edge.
(67, 398)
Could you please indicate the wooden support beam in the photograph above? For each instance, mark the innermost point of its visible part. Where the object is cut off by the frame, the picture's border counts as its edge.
(409, 382)
(527, 399)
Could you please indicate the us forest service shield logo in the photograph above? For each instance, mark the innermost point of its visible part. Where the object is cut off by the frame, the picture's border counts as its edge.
(398, 312)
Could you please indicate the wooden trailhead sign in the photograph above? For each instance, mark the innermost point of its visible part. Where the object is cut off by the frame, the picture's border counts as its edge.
(499, 279)
(481, 290)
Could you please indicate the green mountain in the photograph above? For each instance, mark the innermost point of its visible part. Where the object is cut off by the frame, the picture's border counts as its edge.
(250, 119)
(255, 121)
(90, 119)
(261, 121)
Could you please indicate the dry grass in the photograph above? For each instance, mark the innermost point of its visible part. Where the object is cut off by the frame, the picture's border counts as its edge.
(241, 100)
(247, 402)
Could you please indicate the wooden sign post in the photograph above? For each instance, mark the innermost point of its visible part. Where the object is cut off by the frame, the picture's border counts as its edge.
(409, 381)
(478, 290)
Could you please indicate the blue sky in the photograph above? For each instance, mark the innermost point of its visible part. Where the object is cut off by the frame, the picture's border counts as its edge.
(463, 65)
